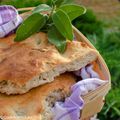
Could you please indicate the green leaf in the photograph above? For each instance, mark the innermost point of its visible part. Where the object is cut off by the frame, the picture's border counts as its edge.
(117, 110)
(63, 24)
(55, 37)
(41, 8)
(109, 107)
(73, 11)
(58, 2)
(30, 26)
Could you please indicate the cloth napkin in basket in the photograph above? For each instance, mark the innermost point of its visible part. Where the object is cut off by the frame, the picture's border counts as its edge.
(70, 109)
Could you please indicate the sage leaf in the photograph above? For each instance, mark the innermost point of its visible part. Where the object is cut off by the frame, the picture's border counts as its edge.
(41, 8)
(63, 24)
(55, 37)
(30, 26)
(73, 11)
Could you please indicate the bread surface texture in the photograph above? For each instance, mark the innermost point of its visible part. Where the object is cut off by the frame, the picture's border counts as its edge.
(38, 102)
(35, 62)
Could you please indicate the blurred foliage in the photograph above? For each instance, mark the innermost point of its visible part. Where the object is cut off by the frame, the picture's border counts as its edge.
(105, 40)
(28, 3)
(111, 110)
(22, 3)
(88, 23)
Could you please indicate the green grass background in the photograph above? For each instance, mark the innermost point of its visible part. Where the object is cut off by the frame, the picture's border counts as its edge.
(105, 35)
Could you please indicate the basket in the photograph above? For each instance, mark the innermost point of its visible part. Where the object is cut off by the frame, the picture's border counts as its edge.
(94, 99)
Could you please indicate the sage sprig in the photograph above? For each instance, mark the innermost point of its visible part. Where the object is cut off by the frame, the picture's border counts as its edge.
(63, 24)
(41, 8)
(57, 39)
(30, 26)
(55, 20)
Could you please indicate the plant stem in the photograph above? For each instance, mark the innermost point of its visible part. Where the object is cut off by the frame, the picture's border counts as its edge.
(53, 9)
(50, 15)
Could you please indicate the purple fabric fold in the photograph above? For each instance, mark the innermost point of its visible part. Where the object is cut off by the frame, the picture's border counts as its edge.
(9, 20)
(71, 107)
(86, 72)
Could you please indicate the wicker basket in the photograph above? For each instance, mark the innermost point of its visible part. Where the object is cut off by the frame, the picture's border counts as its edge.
(94, 100)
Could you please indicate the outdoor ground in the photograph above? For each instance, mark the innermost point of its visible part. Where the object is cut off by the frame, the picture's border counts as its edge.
(107, 10)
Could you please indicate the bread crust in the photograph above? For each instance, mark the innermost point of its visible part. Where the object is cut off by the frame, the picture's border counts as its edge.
(34, 103)
(34, 62)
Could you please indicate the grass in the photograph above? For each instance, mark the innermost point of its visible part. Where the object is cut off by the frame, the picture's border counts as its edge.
(111, 53)
(104, 33)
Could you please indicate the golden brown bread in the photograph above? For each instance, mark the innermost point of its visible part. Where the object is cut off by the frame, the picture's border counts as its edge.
(34, 62)
(38, 102)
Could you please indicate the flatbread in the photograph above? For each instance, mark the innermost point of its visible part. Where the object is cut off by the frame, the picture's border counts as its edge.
(37, 103)
(35, 62)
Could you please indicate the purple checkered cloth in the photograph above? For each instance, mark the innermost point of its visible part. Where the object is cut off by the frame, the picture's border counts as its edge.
(9, 20)
(70, 109)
